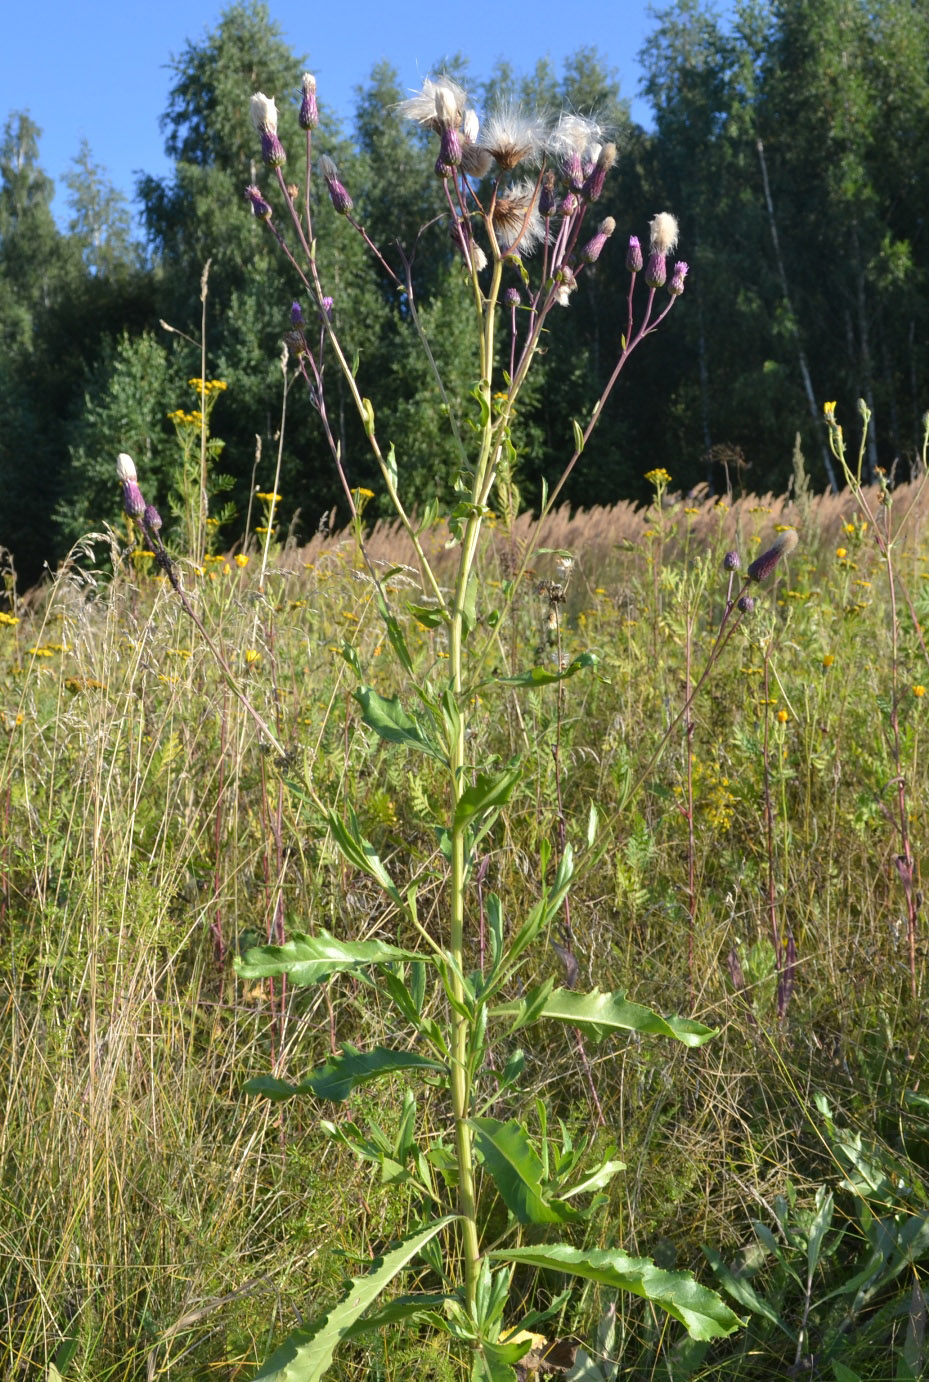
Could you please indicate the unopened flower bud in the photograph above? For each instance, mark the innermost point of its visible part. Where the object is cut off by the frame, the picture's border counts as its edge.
(264, 117)
(133, 499)
(732, 561)
(569, 204)
(511, 297)
(260, 207)
(592, 250)
(548, 198)
(656, 270)
(634, 259)
(593, 187)
(746, 603)
(341, 201)
(309, 113)
(762, 567)
(125, 467)
(572, 169)
(449, 150)
(296, 314)
(678, 274)
(151, 518)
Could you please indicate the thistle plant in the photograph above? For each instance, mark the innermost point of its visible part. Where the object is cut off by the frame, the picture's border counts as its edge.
(518, 197)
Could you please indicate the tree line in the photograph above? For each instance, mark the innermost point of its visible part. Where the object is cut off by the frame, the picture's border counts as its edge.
(791, 142)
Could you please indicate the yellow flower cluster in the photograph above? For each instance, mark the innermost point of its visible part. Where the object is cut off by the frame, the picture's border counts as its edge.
(268, 496)
(182, 419)
(204, 387)
(658, 476)
(10, 619)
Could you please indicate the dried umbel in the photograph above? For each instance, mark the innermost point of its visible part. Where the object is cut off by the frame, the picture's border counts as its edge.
(763, 565)
(263, 113)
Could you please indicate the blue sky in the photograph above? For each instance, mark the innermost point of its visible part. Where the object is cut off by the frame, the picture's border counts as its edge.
(100, 70)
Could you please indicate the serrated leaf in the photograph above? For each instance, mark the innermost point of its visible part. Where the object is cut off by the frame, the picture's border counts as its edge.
(307, 1354)
(517, 1172)
(489, 792)
(544, 676)
(309, 959)
(598, 1013)
(701, 1311)
(388, 719)
(339, 1076)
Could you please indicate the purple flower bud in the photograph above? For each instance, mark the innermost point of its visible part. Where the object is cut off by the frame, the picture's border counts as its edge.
(762, 566)
(133, 500)
(151, 518)
(309, 114)
(296, 314)
(450, 148)
(572, 170)
(732, 561)
(511, 297)
(327, 308)
(341, 201)
(593, 187)
(678, 274)
(548, 198)
(746, 603)
(263, 112)
(592, 250)
(569, 204)
(259, 206)
(656, 270)
(634, 259)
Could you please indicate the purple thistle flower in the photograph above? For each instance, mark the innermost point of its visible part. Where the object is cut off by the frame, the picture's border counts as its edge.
(449, 149)
(656, 270)
(762, 567)
(569, 204)
(548, 198)
(572, 169)
(309, 113)
(260, 207)
(593, 187)
(341, 201)
(296, 314)
(592, 250)
(678, 274)
(151, 518)
(264, 117)
(327, 304)
(133, 499)
(634, 259)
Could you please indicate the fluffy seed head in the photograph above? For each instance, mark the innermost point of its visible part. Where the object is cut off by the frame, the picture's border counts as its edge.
(516, 220)
(663, 232)
(424, 106)
(263, 114)
(125, 467)
(511, 137)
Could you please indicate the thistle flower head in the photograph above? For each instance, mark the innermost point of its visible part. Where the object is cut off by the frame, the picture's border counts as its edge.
(732, 561)
(512, 137)
(634, 260)
(656, 270)
(296, 314)
(678, 274)
(591, 252)
(593, 187)
(449, 152)
(511, 297)
(746, 603)
(260, 207)
(578, 134)
(437, 104)
(309, 113)
(548, 196)
(151, 518)
(516, 220)
(763, 565)
(341, 200)
(263, 112)
(566, 286)
(663, 232)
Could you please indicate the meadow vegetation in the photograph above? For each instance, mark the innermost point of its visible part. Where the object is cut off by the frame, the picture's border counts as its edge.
(159, 1223)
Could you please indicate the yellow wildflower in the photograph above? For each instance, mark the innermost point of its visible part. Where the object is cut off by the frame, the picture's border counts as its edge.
(841, 553)
(829, 410)
(241, 559)
(919, 690)
(783, 717)
(252, 655)
(828, 659)
(10, 619)
(268, 496)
